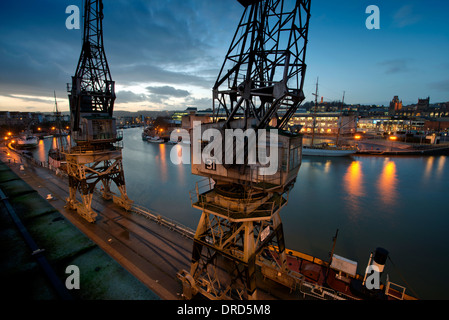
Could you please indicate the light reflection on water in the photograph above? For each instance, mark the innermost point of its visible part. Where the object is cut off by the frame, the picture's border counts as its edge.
(353, 185)
(387, 184)
(399, 203)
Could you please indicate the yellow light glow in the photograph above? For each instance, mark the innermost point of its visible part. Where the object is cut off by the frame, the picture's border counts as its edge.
(9, 133)
(357, 137)
(387, 183)
(393, 138)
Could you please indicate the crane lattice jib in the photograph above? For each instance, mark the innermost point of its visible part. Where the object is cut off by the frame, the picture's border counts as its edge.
(263, 73)
(92, 90)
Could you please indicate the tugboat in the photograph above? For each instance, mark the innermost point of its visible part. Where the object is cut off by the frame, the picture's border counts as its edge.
(333, 280)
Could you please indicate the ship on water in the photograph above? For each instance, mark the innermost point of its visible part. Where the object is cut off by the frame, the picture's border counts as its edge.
(26, 141)
(325, 149)
(328, 150)
(336, 279)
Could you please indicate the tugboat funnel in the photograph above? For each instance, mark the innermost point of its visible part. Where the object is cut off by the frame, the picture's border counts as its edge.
(380, 258)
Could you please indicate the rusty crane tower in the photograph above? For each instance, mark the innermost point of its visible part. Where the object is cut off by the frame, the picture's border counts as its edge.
(259, 87)
(97, 151)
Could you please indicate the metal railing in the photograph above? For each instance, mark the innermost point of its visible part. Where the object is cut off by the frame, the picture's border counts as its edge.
(237, 208)
(164, 221)
(394, 290)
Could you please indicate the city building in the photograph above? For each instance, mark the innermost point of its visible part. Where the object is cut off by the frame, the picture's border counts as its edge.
(388, 124)
(325, 123)
(16, 118)
(395, 105)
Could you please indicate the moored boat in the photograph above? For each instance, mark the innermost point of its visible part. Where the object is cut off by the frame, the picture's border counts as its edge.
(56, 159)
(325, 149)
(334, 280)
(26, 141)
(155, 139)
(328, 150)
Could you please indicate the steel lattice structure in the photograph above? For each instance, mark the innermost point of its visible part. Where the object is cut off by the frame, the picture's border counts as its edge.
(259, 87)
(263, 72)
(97, 155)
(93, 90)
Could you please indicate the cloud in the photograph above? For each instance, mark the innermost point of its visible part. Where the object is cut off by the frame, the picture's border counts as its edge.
(143, 72)
(164, 94)
(126, 96)
(442, 85)
(147, 43)
(405, 16)
(168, 91)
(394, 66)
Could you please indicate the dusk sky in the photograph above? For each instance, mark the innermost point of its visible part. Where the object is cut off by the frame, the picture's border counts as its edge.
(166, 54)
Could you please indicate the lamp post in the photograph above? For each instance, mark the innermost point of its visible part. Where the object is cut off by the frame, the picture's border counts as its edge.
(392, 138)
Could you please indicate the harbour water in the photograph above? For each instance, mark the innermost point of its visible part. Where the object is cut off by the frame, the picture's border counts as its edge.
(398, 203)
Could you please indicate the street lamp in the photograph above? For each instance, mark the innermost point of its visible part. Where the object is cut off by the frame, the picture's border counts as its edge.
(392, 138)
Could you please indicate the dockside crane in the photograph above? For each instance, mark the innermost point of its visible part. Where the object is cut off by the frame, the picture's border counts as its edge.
(259, 88)
(97, 151)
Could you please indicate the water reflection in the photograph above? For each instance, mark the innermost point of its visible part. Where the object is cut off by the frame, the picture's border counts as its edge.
(428, 169)
(387, 183)
(42, 153)
(178, 150)
(327, 166)
(353, 185)
(163, 162)
(441, 163)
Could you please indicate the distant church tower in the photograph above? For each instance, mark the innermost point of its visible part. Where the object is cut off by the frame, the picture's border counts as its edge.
(423, 104)
(395, 105)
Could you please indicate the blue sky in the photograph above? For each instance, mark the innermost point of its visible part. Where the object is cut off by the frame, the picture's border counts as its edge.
(167, 54)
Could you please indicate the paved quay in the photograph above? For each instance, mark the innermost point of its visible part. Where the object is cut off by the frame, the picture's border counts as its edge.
(150, 252)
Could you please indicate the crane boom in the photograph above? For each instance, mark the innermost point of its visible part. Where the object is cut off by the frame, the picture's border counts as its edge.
(263, 72)
(92, 92)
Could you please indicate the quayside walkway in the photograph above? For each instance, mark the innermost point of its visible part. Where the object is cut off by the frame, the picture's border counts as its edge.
(122, 256)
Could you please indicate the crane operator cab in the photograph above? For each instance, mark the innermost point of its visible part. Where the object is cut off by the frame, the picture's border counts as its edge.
(267, 159)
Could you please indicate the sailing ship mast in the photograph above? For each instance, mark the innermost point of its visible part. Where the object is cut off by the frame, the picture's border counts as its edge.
(315, 111)
(340, 120)
(59, 143)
